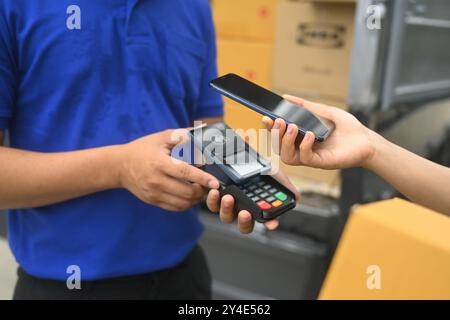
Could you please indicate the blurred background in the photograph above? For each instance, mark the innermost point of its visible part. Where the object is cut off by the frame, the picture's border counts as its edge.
(387, 62)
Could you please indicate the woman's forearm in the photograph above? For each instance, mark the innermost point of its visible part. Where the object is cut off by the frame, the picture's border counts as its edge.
(420, 180)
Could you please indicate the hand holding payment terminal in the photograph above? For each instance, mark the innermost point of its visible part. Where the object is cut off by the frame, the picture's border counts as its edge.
(242, 172)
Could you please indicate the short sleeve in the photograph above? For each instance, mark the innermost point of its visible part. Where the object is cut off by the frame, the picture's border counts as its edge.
(210, 103)
(8, 78)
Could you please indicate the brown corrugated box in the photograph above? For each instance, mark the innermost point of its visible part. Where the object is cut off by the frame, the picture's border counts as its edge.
(313, 47)
(251, 60)
(245, 19)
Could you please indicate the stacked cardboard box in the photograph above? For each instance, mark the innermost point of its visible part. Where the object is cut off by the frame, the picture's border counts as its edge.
(313, 47)
(312, 54)
(300, 47)
(245, 33)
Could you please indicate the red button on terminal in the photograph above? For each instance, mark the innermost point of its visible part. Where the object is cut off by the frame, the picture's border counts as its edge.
(264, 205)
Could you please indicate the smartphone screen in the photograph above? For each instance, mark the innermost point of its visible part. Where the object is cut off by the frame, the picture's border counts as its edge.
(270, 104)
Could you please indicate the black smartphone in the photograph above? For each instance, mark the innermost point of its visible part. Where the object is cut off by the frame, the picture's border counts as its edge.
(272, 105)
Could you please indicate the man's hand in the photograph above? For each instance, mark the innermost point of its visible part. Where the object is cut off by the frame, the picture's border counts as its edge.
(225, 207)
(152, 175)
(351, 144)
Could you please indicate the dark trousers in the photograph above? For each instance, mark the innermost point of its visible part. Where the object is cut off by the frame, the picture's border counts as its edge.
(189, 280)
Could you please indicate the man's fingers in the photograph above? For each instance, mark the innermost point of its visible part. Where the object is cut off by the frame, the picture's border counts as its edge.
(227, 209)
(321, 110)
(182, 170)
(185, 190)
(245, 222)
(174, 137)
(288, 148)
(170, 202)
(213, 200)
(272, 224)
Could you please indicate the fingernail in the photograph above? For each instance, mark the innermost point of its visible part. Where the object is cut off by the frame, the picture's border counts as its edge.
(290, 130)
(246, 217)
(213, 184)
(215, 195)
(308, 136)
(276, 125)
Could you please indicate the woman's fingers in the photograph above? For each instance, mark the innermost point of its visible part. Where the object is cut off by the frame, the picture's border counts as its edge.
(307, 155)
(277, 129)
(321, 110)
(288, 148)
(268, 123)
(277, 133)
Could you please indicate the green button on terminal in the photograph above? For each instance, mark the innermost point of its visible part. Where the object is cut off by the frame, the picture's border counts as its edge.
(281, 196)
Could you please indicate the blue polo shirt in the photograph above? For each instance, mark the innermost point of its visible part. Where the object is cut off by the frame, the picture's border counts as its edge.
(77, 74)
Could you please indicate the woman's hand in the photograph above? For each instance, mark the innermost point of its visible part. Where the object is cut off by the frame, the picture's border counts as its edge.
(350, 144)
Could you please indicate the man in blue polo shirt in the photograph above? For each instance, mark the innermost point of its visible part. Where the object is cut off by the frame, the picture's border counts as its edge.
(89, 91)
(79, 80)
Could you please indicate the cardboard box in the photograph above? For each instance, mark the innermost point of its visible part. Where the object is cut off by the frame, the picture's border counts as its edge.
(251, 60)
(313, 48)
(314, 98)
(245, 19)
(336, 1)
(306, 179)
(391, 249)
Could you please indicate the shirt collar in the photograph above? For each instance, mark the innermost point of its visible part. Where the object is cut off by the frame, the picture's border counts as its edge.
(131, 5)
